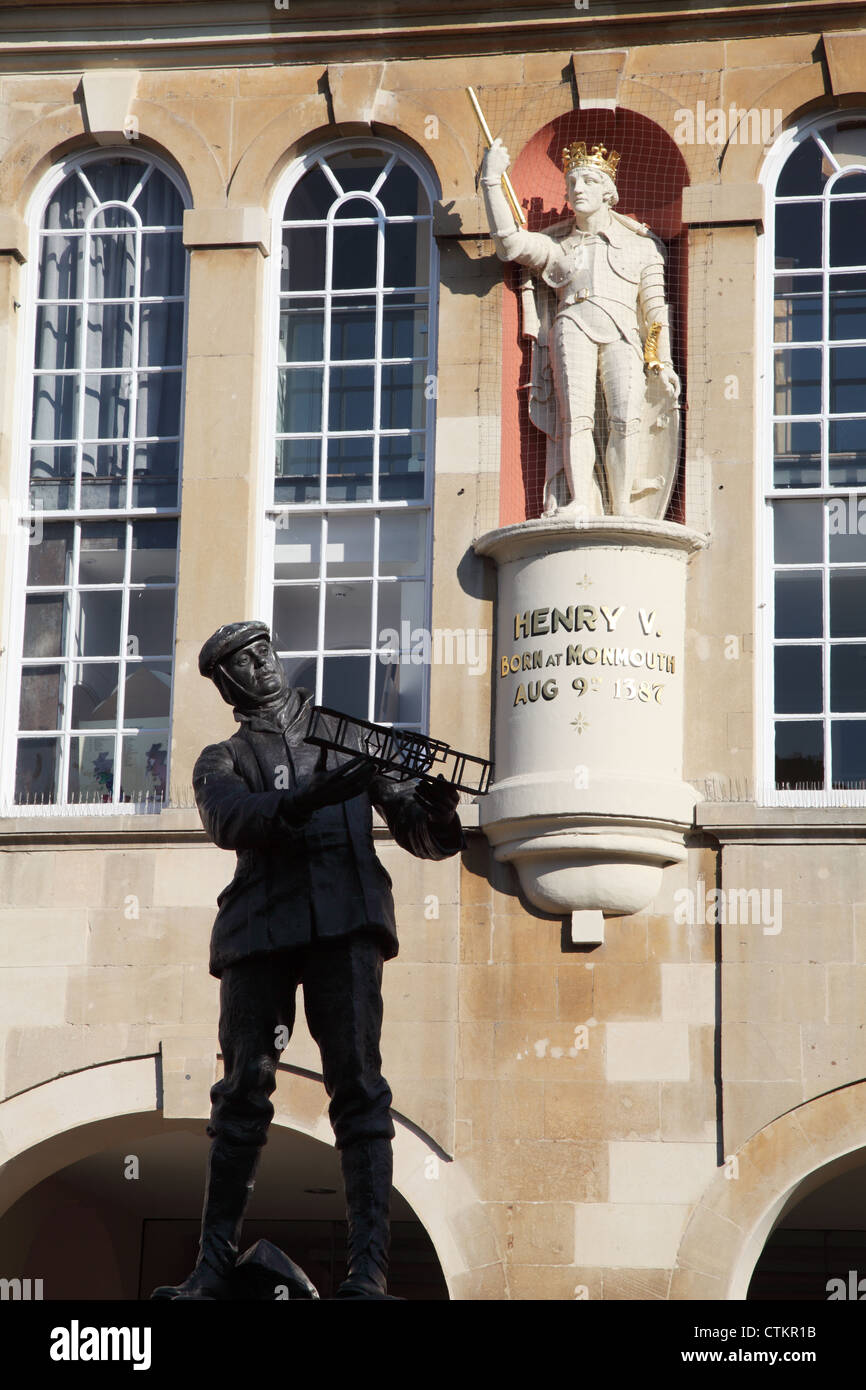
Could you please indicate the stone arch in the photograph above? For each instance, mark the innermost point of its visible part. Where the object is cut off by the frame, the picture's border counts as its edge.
(798, 94)
(731, 1223)
(62, 132)
(47, 1127)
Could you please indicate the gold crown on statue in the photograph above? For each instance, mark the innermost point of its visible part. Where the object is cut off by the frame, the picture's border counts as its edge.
(575, 157)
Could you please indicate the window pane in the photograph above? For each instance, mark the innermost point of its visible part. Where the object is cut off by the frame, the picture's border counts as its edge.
(91, 768)
(798, 680)
(311, 198)
(404, 405)
(348, 615)
(302, 334)
(55, 407)
(102, 546)
(148, 694)
(143, 767)
(401, 603)
(160, 342)
(154, 552)
(847, 455)
(298, 541)
(798, 235)
(163, 264)
(401, 468)
(799, 528)
(848, 751)
(300, 672)
(356, 208)
(402, 194)
(797, 453)
(158, 408)
(353, 328)
(155, 475)
(350, 403)
(36, 770)
(847, 526)
(345, 684)
(296, 617)
(798, 381)
(60, 267)
(298, 470)
(358, 168)
(50, 561)
(355, 250)
(350, 470)
(848, 306)
(847, 230)
(45, 625)
(404, 330)
(803, 172)
(109, 335)
(848, 679)
(403, 544)
(52, 471)
(299, 400)
(847, 379)
(58, 334)
(159, 204)
(111, 269)
(151, 622)
(98, 630)
(848, 603)
(303, 263)
(40, 704)
(399, 691)
(800, 754)
(350, 546)
(798, 604)
(407, 254)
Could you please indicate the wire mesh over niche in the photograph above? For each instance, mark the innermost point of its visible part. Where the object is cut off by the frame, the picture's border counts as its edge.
(651, 176)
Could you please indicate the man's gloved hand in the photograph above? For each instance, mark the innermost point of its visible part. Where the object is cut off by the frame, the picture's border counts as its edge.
(439, 799)
(328, 787)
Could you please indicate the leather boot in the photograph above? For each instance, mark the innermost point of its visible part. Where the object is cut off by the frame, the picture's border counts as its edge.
(367, 1168)
(229, 1185)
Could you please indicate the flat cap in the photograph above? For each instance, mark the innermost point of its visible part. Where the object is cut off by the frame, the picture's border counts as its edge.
(227, 639)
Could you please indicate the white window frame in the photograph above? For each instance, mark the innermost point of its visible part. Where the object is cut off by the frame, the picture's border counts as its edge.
(24, 518)
(767, 794)
(273, 512)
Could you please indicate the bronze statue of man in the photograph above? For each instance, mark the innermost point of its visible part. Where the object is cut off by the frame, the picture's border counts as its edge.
(309, 904)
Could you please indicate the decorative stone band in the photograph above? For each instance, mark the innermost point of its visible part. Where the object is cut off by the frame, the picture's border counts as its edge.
(589, 802)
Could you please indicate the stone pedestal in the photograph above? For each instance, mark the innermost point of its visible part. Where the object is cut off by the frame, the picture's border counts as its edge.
(588, 801)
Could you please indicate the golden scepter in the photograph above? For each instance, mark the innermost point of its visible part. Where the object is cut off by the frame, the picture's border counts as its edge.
(507, 186)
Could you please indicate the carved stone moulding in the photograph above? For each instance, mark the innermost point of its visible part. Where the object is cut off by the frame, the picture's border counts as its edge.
(588, 801)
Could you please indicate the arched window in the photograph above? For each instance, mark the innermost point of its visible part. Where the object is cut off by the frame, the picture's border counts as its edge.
(815, 443)
(96, 625)
(352, 404)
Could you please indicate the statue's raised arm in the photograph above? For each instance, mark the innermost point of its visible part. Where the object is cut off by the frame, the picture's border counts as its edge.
(599, 311)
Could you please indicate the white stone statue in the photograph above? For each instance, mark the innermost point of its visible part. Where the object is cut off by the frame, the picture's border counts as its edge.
(596, 310)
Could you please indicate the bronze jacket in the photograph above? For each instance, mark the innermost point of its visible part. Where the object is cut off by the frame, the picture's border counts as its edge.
(297, 883)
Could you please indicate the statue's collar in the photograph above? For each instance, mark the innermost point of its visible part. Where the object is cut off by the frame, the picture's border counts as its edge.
(275, 718)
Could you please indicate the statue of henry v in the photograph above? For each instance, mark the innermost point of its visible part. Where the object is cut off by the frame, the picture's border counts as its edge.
(599, 311)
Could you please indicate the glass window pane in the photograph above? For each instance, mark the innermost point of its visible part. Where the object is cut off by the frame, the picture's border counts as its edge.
(848, 306)
(40, 704)
(36, 770)
(98, 630)
(151, 622)
(45, 624)
(355, 251)
(148, 694)
(797, 453)
(52, 471)
(798, 527)
(91, 768)
(798, 680)
(297, 551)
(798, 235)
(159, 204)
(300, 672)
(348, 614)
(111, 269)
(402, 194)
(109, 335)
(797, 381)
(847, 453)
(353, 328)
(102, 546)
(60, 267)
(163, 264)
(303, 259)
(803, 172)
(401, 467)
(299, 400)
(298, 469)
(797, 309)
(155, 475)
(848, 679)
(50, 560)
(143, 767)
(95, 696)
(154, 552)
(404, 405)
(58, 336)
(55, 407)
(296, 617)
(350, 546)
(847, 526)
(302, 331)
(800, 754)
(158, 409)
(404, 330)
(160, 340)
(106, 405)
(399, 690)
(345, 684)
(848, 603)
(848, 752)
(351, 399)
(311, 198)
(350, 470)
(407, 253)
(357, 168)
(400, 604)
(403, 543)
(847, 230)
(355, 208)
(799, 610)
(847, 380)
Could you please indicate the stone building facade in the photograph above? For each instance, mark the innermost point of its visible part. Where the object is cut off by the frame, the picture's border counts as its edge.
(632, 1119)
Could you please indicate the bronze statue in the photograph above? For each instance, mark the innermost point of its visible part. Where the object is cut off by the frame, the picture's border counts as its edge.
(309, 904)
